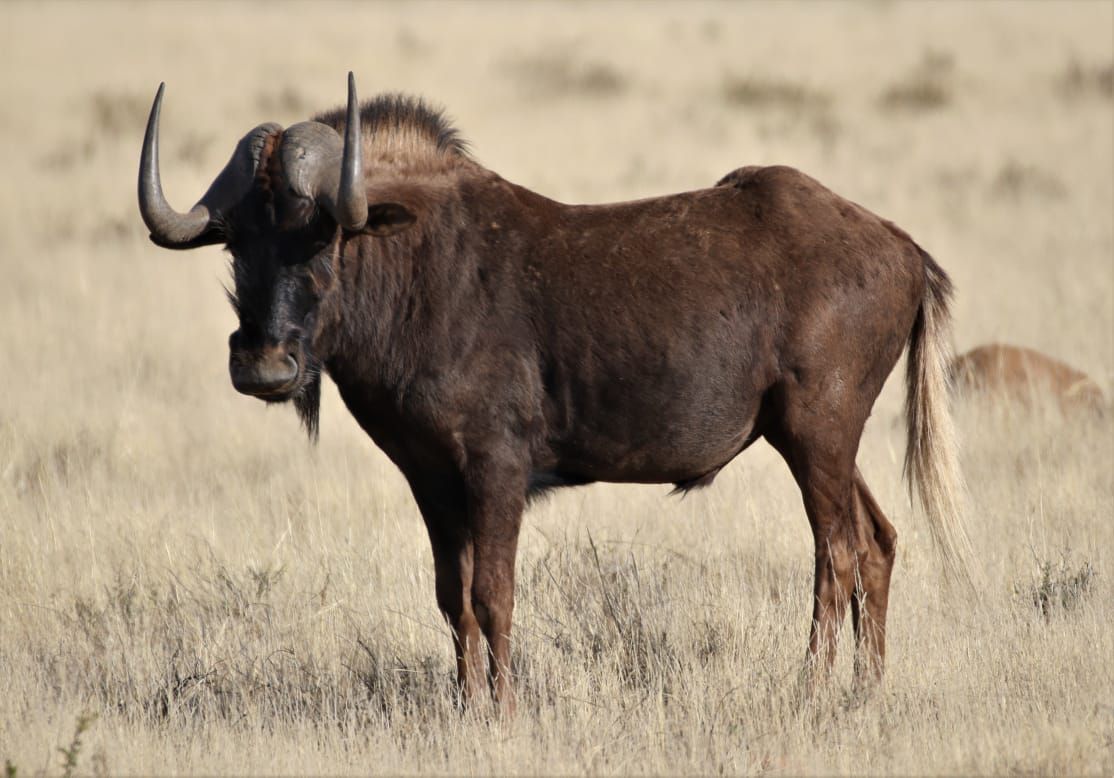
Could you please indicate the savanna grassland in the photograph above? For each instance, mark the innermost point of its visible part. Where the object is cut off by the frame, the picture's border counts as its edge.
(188, 586)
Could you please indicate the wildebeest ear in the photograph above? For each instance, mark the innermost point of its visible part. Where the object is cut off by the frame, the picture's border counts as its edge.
(388, 218)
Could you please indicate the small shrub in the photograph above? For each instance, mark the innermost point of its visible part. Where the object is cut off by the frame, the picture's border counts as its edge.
(114, 117)
(918, 93)
(288, 102)
(1079, 80)
(1016, 179)
(115, 114)
(560, 75)
(194, 148)
(394, 685)
(70, 752)
(1057, 586)
(409, 43)
(69, 156)
(62, 465)
(927, 87)
(265, 579)
(115, 229)
(760, 92)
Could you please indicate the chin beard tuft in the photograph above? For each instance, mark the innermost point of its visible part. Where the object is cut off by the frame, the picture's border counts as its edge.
(308, 402)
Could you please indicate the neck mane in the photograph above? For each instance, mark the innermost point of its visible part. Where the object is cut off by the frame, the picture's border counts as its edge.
(404, 134)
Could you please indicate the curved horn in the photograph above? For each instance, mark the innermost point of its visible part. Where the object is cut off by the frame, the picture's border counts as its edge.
(167, 226)
(322, 167)
(352, 197)
(175, 230)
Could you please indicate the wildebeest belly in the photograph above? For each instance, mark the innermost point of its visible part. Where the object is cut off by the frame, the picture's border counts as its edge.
(656, 405)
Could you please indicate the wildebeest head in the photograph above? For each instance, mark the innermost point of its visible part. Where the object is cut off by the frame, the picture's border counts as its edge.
(281, 205)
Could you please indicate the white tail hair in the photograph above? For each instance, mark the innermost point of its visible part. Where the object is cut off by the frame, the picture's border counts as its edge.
(931, 458)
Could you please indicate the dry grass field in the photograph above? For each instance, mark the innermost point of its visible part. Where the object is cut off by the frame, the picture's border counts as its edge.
(188, 586)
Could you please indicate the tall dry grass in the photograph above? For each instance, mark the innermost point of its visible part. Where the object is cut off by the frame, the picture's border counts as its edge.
(177, 562)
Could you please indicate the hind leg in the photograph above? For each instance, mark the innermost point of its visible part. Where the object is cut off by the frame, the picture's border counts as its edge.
(823, 462)
(876, 544)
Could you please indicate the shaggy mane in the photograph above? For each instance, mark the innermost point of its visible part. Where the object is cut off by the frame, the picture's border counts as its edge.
(393, 123)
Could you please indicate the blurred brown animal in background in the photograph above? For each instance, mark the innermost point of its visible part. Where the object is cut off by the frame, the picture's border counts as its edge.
(1025, 376)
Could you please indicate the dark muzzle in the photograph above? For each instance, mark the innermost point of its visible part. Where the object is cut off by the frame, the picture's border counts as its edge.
(269, 375)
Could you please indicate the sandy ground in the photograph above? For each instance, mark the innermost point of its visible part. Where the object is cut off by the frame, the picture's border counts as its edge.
(187, 586)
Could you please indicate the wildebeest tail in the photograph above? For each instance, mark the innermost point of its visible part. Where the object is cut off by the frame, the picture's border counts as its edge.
(931, 459)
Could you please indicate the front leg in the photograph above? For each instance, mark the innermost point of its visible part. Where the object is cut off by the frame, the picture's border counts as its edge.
(443, 509)
(496, 498)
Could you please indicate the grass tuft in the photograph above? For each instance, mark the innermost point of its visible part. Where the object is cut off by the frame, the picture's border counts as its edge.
(926, 87)
(285, 104)
(119, 113)
(755, 91)
(1016, 180)
(1058, 586)
(1082, 80)
(559, 74)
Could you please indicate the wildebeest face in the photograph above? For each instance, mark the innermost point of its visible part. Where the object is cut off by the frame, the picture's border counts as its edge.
(282, 267)
(281, 205)
(280, 278)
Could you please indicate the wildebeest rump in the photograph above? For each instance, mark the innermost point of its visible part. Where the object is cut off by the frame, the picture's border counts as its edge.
(495, 343)
(1024, 375)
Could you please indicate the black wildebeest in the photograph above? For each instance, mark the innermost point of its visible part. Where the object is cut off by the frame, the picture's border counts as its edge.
(495, 343)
